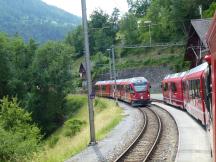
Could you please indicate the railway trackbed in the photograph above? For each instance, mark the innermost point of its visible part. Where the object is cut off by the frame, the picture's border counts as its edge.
(158, 140)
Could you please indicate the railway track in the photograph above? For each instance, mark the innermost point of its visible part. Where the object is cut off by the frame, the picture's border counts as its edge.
(153, 143)
(144, 144)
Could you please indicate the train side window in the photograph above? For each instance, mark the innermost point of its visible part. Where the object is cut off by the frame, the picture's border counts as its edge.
(183, 86)
(97, 88)
(127, 87)
(119, 87)
(198, 88)
(173, 87)
(112, 88)
(103, 88)
(190, 89)
(193, 88)
(165, 87)
(131, 90)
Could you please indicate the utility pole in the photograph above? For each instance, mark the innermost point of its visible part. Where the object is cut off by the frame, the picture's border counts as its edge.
(114, 71)
(150, 33)
(88, 72)
(149, 25)
(110, 63)
(200, 11)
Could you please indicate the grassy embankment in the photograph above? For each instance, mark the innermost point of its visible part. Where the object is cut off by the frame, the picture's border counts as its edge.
(73, 137)
(138, 58)
(171, 57)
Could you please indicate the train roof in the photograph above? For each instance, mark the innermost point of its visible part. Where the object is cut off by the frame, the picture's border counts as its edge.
(175, 75)
(182, 75)
(123, 81)
(199, 68)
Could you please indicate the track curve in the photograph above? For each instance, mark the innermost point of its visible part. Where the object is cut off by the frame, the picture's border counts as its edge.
(144, 144)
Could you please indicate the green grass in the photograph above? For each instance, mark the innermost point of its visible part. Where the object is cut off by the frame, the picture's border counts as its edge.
(60, 147)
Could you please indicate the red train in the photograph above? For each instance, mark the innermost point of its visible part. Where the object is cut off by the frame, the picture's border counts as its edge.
(211, 41)
(198, 92)
(135, 90)
(172, 89)
(191, 91)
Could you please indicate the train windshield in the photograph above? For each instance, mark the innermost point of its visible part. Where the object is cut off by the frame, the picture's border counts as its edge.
(139, 87)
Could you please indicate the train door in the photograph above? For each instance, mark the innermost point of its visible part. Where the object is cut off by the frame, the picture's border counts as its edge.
(131, 90)
(118, 91)
(107, 90)
(112, 93)
(127, 94)
(103, 87)
(170, 93)
(198, 90)
(165, 92)
(122, 92)
(206, 83)
(173, 93)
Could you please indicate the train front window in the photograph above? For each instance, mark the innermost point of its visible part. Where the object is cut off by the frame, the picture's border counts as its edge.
(140, 87)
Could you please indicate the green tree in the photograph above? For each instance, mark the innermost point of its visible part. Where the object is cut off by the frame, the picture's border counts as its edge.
(129, 29)
(210, 11)
(51, 80)
(21, 55)
(138, 7)
(5, 73)
(75, 39)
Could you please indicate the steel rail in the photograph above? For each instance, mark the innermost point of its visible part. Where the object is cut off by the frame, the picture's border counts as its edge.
(157, 138)
(159, 101)
(136, 139)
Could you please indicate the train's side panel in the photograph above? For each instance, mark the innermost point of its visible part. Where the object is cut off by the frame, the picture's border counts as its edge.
(98, 90)
(194, 103)
(211, 39)
(214, 104)
(166, 91)
(177, 95)
(172, 91)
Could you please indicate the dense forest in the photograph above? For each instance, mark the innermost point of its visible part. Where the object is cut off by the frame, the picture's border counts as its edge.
(36, 78)
(35, 19)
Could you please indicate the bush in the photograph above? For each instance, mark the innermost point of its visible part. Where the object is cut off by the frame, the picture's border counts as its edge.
(19, 137)
(73, 126)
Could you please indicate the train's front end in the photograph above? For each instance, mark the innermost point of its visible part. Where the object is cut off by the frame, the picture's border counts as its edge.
(140, 91)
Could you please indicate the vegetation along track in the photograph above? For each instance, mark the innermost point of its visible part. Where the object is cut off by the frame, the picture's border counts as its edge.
(154, 143)
(143, 145)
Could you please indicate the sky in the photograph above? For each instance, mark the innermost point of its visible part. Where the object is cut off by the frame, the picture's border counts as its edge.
(74, 6)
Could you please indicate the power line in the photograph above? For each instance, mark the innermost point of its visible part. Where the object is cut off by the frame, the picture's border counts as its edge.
(153, 45)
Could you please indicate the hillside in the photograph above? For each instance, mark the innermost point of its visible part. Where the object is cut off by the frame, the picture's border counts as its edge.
(35, 19)
(153, 64)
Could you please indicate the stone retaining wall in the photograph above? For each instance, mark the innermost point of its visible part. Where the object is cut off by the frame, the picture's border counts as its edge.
(153, 74)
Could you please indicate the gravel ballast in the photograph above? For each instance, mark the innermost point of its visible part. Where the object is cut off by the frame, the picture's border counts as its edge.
(116, 141)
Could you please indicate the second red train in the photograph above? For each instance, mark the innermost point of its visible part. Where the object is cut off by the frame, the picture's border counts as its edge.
(135, 91)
